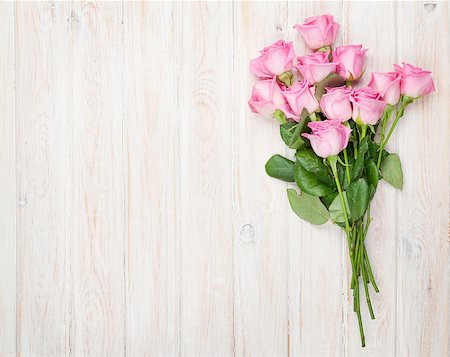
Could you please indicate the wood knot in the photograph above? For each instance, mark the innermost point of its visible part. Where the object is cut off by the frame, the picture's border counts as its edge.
(430, 6)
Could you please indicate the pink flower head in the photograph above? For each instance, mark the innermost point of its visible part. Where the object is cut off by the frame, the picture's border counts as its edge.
(388, 85)
(415, 81)
(301, 95)
(350, 60)
(274, 60)
(315, 67)
(267, 97)
(335, 103)
(318, 31)
(328, 138)
(367, 105)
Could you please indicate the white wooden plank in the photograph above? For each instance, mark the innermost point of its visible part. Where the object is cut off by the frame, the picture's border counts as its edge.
(381, 241)
(260, 220)
(97, 214)
(134, 143)
(423, 135)
(315, 252)
(205, 114)
(151, 121)
(7, 184)
(41, 48)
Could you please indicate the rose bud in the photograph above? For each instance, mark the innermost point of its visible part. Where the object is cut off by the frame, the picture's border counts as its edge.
(267, 97)
(274, 60)
(301, 95)
(328, 138)
(318, 31)
(367, 106)
(350, 60)
(415, 81)
(335, 103)
(388, 85)
(315, 67)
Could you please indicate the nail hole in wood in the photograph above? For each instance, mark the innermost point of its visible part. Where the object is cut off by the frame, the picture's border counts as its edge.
(247, 234)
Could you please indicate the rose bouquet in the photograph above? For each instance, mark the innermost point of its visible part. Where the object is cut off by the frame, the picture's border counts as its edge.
(339, 133)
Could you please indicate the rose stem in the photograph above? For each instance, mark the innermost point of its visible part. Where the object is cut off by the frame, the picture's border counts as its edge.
(332, 161)
(369, 271)
(366, 256)
(358, 314)
(400, 112)
(365, 280)
(358, 305)
(384, 119)
(363, 132)
(355, 277)
(347, 169)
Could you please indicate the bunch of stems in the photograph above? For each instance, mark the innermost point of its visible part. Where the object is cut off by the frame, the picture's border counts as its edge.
(359, 259)
(356, 231)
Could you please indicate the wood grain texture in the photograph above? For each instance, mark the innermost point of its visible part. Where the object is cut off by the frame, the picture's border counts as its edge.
(7, 184)
(152, 140)
(423, 295)
(41, 48)
(136, 218)
(260, 236)
(205, 179)
(97, 166)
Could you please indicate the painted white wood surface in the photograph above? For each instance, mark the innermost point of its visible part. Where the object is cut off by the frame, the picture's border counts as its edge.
(135, 214)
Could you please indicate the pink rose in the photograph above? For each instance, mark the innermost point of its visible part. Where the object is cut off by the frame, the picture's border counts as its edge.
(415, 81)
(315, 67)
(301, 95)
(335, 103)
(267, 97)
(388, 84)
(274, 60)
(318, 31)
(367, 105)
(350, 60)
(328, 138)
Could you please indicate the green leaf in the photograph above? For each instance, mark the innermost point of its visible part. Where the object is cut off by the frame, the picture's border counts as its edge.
(328, 199)
(280, 116)
(363, 146)
(358, 198)
(356, 169)
(309, 183)
(372, 173)
(291, 136)
(391, 168)
(281, 168)
(286, 131)
(342, 176)
(333, 80)
(307, 207)
(290, 132)
(374, 149)
(372, 191)
(314, 164)
(336, 211)
(358, 165)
